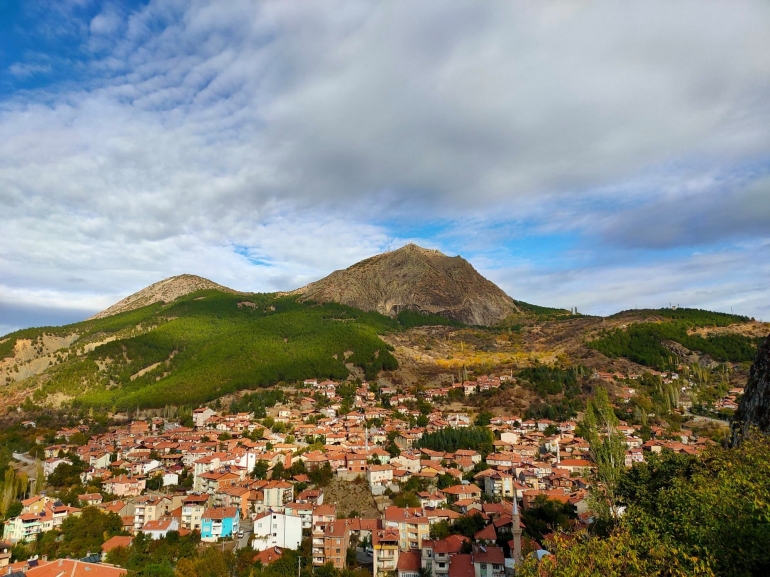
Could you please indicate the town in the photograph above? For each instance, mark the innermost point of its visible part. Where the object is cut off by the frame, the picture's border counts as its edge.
(361, 475)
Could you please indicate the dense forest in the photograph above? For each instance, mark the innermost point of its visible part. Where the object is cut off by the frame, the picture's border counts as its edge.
(644, 343)
(449, 440)
(558, 389)
(208, 344)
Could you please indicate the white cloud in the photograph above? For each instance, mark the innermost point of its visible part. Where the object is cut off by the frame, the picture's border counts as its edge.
(106, 22)
(296, 132)
(718, 280)
(27, 69)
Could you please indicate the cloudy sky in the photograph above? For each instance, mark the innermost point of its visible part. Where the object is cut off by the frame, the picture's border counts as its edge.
(602, 155)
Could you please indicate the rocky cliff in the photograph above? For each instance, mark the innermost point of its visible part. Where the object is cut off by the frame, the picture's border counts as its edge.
(754, 409)
(418, 279)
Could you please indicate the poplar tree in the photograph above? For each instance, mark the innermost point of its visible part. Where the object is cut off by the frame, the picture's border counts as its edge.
(608, 451)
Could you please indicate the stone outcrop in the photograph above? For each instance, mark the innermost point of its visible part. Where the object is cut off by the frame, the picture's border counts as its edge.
(754, 408)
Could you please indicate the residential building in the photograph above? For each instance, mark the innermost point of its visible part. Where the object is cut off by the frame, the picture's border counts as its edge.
(461, 492)
(330, 543)
(304, 511)
(409, 564)
(276, 530)
(201, 415)
(115, 542)
(488, 562)
(49, 465)
(124, 486)
(385, 545)
(149, 508)
(219, 522)
(413, 526)
(277, 493)
(5, 553)
(499, 484)
(159, 528)
(436, 555)
(73, 568)
(379, 475)
(193, 507)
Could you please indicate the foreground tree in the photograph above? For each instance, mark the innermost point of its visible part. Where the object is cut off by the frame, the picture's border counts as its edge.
(608, 451)
(621, 554)
(704, 515)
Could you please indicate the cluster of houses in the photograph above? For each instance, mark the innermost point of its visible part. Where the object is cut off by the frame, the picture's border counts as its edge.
(202, 478)
(730, 400)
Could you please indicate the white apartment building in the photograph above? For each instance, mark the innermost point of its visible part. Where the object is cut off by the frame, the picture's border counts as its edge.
(276, 530)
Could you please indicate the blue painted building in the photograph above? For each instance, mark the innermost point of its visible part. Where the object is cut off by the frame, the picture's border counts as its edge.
(219, 522)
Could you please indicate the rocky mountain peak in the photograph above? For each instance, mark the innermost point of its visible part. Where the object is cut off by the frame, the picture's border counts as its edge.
(167, 290)
(418, 279)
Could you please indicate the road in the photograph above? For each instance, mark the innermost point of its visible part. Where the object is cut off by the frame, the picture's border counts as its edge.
(703, 418)
(24, 458)
(363, 558)
(247, 526)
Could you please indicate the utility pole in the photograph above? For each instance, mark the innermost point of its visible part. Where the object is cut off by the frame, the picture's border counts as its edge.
(299, 566)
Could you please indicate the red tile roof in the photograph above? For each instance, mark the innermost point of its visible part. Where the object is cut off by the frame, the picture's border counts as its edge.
(409, 561)
(461, 566)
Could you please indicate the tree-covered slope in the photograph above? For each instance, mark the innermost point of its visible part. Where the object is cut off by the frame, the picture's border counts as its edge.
(205, 345)
(649, 343)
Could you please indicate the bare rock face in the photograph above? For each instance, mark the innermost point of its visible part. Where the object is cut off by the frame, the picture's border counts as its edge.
(754, 409)
(419, 279)
(167, 290)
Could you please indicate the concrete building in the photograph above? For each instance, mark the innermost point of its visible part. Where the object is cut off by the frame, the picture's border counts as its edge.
(159, 528)
(219, 522)
(276, 530)
(193, 508)
(385, 543)
(330, 543)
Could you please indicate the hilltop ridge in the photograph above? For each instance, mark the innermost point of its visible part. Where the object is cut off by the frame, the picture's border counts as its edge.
(417, 279)
(166, 291)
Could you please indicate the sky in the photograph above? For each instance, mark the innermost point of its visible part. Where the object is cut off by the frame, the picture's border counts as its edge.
(597, 155)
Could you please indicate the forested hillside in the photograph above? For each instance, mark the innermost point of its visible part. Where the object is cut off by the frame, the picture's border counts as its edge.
(645, 343)
(205, 345)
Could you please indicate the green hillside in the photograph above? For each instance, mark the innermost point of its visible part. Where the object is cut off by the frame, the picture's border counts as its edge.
(208, 344)
(643, 342)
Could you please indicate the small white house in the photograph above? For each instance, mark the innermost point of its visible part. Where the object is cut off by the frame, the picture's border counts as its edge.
(170, 479)
(49, 465)
(158, 528)
(378, 475)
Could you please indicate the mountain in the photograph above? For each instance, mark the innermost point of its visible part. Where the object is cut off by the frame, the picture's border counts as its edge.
(201, 346)
(398, 316)
(165, 291)
(754, 408)
(413, 278)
